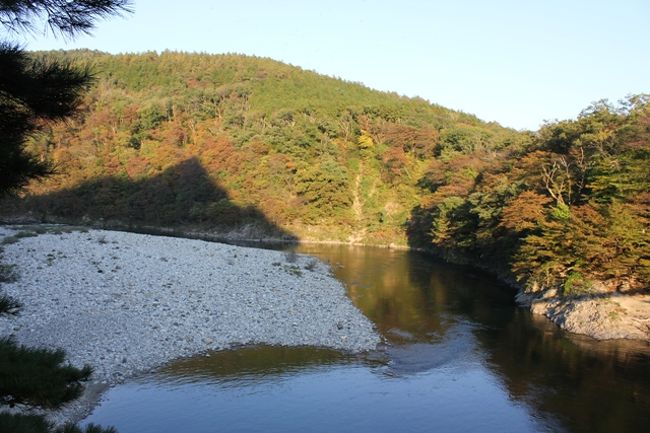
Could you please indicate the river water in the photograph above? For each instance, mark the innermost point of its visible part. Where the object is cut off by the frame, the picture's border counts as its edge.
(460, 357)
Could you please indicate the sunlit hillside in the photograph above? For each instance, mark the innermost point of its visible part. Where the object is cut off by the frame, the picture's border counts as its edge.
(316, 155)
(222, 143)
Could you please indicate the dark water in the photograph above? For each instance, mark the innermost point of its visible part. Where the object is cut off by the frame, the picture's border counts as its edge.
(461, 357)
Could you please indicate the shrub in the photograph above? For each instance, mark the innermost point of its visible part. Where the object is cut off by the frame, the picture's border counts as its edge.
(17, 423)
(575, 285)
(37, 376)
(311, 265)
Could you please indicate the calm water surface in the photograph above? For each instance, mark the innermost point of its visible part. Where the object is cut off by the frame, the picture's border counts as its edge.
(460, 357)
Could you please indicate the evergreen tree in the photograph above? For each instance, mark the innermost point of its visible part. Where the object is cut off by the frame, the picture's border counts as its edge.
(35, 90)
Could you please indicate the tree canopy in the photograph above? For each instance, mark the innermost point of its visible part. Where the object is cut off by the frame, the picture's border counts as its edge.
(565, 207)
(303, 148)
(570, 211)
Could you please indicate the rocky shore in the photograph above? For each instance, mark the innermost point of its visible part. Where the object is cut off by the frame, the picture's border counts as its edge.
(127, 303)
(600, 316)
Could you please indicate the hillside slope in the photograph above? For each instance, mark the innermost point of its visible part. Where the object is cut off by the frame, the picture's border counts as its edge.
(222, 143)
(314, 155)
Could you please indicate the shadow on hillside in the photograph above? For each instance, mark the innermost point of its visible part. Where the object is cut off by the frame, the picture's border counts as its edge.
(418, 228)
(181, 197)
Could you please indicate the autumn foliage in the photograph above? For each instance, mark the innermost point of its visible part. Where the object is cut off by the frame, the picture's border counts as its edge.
(193, 140)
(302, 149)
(567, 210)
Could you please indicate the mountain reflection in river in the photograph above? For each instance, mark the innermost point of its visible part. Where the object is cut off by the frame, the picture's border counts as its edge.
(460, 356)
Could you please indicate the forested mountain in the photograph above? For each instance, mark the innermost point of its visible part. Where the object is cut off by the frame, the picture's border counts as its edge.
(211, 142)
(305, 149)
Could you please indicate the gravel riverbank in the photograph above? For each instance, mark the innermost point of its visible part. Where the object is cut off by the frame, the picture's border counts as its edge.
(126, 303)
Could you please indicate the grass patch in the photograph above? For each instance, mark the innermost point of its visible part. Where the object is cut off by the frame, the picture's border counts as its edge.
(35, 230)
(25, 234)
(8, 273)
(613, 315)
(9, 305)
(8, 240)
(293, 270)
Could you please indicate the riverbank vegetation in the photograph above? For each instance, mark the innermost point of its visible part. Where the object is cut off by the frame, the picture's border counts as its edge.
(568, 211)
(214, 142)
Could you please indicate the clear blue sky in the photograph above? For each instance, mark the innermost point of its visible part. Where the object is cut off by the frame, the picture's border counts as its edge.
(518, 62)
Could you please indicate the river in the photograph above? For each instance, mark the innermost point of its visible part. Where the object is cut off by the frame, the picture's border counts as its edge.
(460, 356)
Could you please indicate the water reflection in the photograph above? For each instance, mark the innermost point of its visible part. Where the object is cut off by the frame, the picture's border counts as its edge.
(590, 386)
(460, 357)
(251, 364)
(434, 314)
